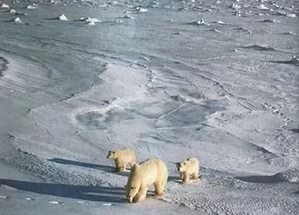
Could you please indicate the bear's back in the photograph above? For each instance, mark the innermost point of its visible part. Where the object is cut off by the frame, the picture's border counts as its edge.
(193, 161)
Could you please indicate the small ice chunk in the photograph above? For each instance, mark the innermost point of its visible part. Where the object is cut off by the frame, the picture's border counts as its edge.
(3, 197)
(262, 7)
(238, 13)
(275, 5)
(215, 30)
(220, 22)
(275, 111)
(29, 199)
(91, 23)
(292, 15)
(62, 17)
(140, 9)
(200, 22)
(5, 6)
(103, 5)
(128, 16)
(56, 203)
(17, 20)
(294, 179)
(107, 204)
(90, 19)
(236, 6)
(13, 11)
(31, 7)
(290, 33)
(177, 33)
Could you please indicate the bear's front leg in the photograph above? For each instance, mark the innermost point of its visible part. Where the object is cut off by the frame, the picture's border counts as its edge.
(141, 195)
(119, 166)
(186, 178)
(159, 189)
(124, 167)
(116, 165)
(181, 175)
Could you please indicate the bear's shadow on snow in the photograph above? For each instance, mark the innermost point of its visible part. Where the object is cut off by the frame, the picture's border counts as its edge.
(261, 179)
(174, 178)
(89, 193)
(105, 168)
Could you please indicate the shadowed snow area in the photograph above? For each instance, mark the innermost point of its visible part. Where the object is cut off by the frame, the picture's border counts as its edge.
(217, 80)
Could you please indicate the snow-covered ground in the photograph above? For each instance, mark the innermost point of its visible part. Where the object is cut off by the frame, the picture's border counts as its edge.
(217, 80)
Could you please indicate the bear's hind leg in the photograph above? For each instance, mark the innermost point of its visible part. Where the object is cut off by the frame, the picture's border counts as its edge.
(159, 189)
(194, 175)
(160, 186)
(141, 195)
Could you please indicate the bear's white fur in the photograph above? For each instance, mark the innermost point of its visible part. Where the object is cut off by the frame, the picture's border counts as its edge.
(122, 158)
(152, 171)
(188, 169)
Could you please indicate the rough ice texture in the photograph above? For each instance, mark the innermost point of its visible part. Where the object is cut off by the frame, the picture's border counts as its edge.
(223, 89)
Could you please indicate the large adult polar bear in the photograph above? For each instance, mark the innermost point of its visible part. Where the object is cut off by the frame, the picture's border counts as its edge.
(152, 171)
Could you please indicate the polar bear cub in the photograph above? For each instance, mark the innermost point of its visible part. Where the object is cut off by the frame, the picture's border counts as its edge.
(122, 158)
(152, 171)
(188, 169)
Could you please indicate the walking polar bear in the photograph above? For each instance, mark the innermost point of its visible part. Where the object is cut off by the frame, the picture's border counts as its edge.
(122, 158)
(188, 169)
(152, 171)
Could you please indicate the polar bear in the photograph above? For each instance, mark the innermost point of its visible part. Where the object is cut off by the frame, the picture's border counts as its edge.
(152, 171)
(122, 158)
(188, 169)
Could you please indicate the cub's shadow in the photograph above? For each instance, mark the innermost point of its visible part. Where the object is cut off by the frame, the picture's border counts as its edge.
(174, 178)
(90, 193)
(105, 168)
(261, 179)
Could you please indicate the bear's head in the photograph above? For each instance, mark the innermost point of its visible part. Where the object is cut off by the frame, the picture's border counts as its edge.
(134, 183)
(182, 166)
(112, 155)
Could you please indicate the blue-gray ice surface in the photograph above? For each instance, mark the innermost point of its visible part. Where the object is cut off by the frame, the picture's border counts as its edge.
(217, 80)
